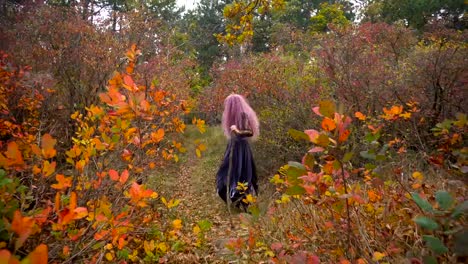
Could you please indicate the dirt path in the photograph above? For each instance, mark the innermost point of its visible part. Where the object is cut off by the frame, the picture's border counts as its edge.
(193, 183)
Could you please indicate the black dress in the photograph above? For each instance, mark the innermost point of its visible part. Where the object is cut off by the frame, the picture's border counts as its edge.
(243, 170)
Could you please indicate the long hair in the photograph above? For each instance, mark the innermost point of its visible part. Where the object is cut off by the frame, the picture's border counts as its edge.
(238, 112)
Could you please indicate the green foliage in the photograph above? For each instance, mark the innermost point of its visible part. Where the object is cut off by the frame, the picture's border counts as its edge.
(418, 13)
(328, 14)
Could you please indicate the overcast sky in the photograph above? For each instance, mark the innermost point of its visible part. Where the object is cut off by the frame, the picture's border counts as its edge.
(189, 4)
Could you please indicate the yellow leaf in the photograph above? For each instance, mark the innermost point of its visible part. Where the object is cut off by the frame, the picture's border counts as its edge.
(418, 176)
(177, 224)
(196, 230)
(109, 256)
(377, 256)
(202, 147)
(162, 246)
(327, 108)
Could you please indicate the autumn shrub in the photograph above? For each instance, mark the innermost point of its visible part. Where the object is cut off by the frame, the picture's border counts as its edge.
(324, 214)
(376, 65)
(94, 206)
(438, 73)
(363, 65)
(76, 57)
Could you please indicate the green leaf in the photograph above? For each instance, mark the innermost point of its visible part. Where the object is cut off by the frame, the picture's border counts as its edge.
(204, 225)
(323, 140)
(122, 254)
(370, 137)
(423, 204)
(327, 108)
(429, 260)
(426, 223)
(444, 199)
(435, 244)
(255, 211)
(298, 135)
(295, 170)
(309, 160)
(367, 155)
(348, 156)
(380, 157)
(460, 210)
(295, 190)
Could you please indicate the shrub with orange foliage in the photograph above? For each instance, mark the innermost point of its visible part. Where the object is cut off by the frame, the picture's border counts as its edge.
(325, 214)
(89, 203)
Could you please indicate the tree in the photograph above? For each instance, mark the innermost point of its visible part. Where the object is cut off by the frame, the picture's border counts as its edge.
(417, 13)
(201, 25)
(328, 14)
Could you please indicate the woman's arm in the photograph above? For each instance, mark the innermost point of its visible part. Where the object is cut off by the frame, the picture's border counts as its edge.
(242, 133)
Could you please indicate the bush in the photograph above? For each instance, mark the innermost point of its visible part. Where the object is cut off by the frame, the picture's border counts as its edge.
(89, 202)
(323, 214)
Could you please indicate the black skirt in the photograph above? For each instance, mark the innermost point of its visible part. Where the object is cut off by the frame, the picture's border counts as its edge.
(243, 171)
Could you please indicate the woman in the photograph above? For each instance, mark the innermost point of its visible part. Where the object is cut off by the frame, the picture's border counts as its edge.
(240, 124)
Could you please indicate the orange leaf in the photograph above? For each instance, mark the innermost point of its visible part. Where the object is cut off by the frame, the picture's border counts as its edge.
(129, 84)
(36, 170)
(63, 182)
(80, 212)
(65, 216)
(121, 243)
(101, 234)
(114, 175)
(7, 258)
(73, 199)
(47, 144)
(35, 149)
(138, 193)
(158, 136)
(13, 156)
(328, 124)
(130, 67)
(39, 255)
(57, 202)
(41, 217)
(66, 250)
(360, 116)
(48, 168)
(115, 82)
(22, 226)
(124, 177)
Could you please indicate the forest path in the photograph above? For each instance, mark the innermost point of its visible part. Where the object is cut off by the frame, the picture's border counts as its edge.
(192, 181)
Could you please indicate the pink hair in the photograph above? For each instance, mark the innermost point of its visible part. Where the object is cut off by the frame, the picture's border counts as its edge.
(238, 112)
